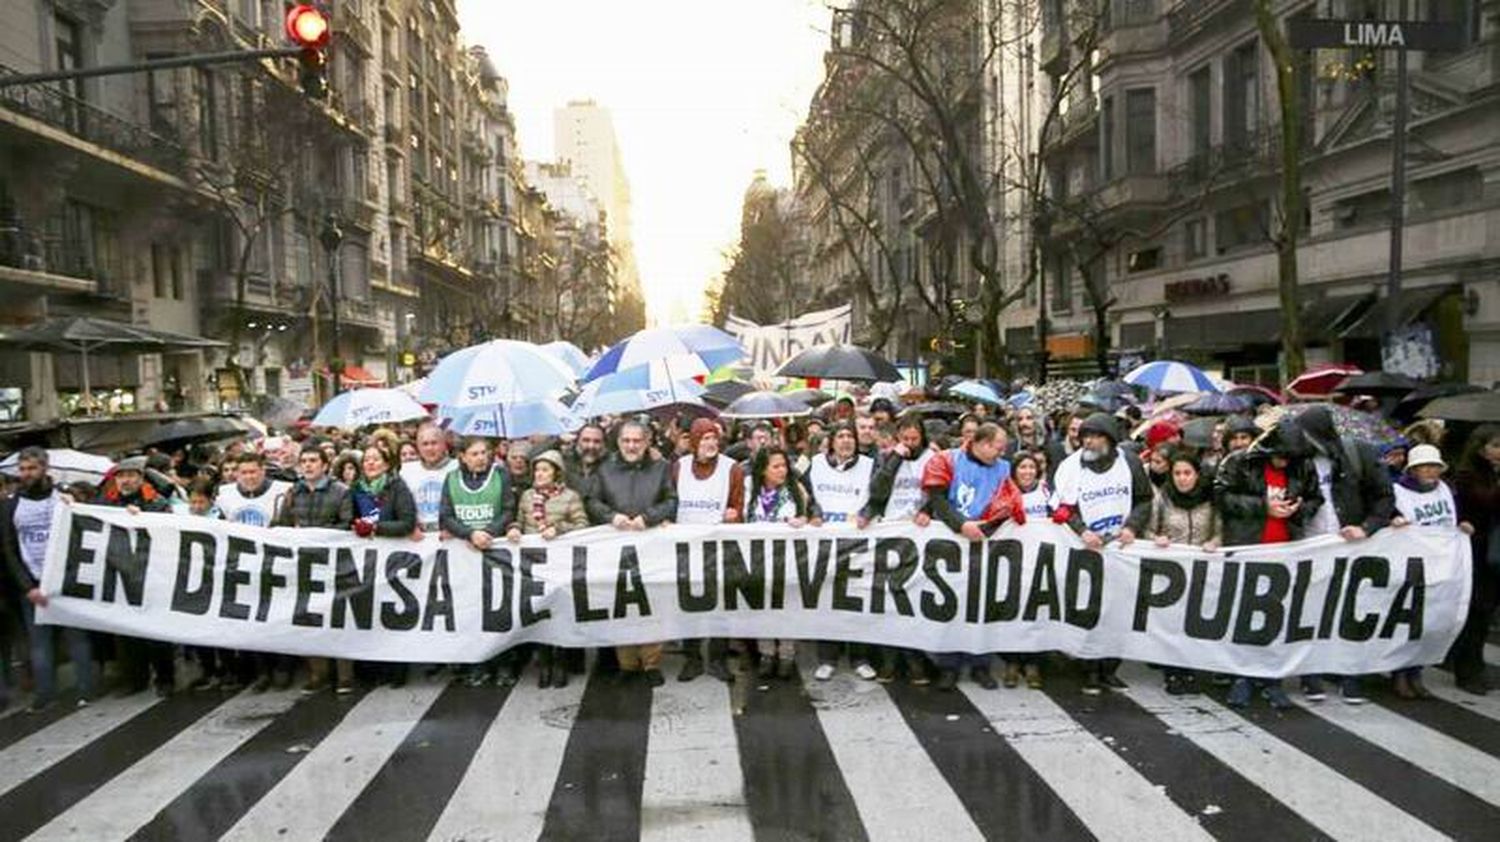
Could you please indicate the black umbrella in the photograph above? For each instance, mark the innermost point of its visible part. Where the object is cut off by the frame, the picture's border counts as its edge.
(1480, 407)
(84, 335)
(1214, 403)
(840, 362)
(725, 392)
(196, 430)
(1424, 395)
(1377, 383)
(766, 405)
(936, 410)
(811, 397)
(1199, 432)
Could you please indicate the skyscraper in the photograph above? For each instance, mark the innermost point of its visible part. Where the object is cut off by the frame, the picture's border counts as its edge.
(584, 136)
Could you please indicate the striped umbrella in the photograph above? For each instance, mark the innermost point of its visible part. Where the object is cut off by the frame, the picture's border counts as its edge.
(618, 394)
(683, 352)
(1171, 376)
(363, 407)
(978, 391)
(502, 371)
(510, 421)
(569, 355)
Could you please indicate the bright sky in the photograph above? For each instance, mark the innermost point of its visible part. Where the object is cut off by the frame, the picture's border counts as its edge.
(703, 93)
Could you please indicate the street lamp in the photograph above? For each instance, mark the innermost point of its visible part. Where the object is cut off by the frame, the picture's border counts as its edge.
(331, 237)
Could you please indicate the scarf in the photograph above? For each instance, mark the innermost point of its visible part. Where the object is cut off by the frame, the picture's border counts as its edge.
(1411, 483)
(769, 501)
(373, 486)
(1200, 494)
(539, 497)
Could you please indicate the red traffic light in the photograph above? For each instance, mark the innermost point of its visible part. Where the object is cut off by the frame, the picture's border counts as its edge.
(307, 26)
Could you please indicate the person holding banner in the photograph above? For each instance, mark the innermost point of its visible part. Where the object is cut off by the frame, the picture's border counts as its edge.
(127, 489)
(1103, 494)
(896, 494)
(427, 475)
(384, 507)
(1477, 491)
(1183, 512)
(710, 489)
(633, 492)
(253, 497)
(840, 481)
(318, 501)
(777, 495)
(548, 508)
(477, 506)
(25, 528)
(1029, 472)
(969, 488)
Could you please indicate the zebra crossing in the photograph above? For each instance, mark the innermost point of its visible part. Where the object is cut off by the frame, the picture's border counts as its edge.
(844, 759)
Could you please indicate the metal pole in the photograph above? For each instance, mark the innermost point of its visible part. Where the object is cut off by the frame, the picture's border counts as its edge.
(1398, 192)
(201, 60)
(337, 363)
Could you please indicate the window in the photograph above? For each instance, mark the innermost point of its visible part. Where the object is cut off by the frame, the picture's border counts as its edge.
(1140, 131)
(1243, 226)
(1107, 139)
(69, 47)
(1144, 260)
(1365, 209)
(1200, 103)
(163, 271)
(1449, 190)
(208, 106)
(273, 382)
(1062, 285)
(1241, 94)
(1195, 238)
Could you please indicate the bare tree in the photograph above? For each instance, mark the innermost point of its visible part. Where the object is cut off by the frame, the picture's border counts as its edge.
(1289, 217)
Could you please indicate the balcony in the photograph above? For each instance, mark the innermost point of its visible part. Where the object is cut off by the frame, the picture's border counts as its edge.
(1191, 17)
(51, 106)
(1133, 36)
(1132, 193)
(1257, 153)
(1078, 122)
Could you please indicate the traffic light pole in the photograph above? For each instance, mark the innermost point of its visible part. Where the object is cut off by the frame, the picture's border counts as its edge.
(1398, 196)
(201, 60)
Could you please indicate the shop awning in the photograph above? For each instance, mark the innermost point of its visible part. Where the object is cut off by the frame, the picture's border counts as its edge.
(354, 375)
(1410, 305)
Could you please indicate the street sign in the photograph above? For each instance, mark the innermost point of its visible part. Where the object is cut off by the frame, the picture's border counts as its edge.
(1310, 33)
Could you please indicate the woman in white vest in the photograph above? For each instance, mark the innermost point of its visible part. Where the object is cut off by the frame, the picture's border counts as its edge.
(1030, 475)
(840, 482)
(777, 495)
(1423, 499)
(896, 494)
(710, 489)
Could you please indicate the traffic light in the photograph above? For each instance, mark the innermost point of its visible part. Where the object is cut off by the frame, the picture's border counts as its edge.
(308, 28)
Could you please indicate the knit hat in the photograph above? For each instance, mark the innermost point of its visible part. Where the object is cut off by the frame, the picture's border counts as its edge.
(553, 458)
(700, 428)
(1160, 432)
(1101, 423)
(1425, 454)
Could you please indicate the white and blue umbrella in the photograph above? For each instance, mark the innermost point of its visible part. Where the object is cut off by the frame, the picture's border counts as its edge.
(685, 353)
(569, 355)
(1021, 399)
(618, 394)
(510, 421)
(1169, 376)
(66, 466)
(363, 407)
(977, 390)
(502, 371)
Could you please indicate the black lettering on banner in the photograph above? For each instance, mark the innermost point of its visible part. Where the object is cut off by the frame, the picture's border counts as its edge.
(1366, 568)
(308, 559)
(778, 574)
(1008, 551)
(185, 599)
(1148, 597)
(532, 587)
(353, 591)
(1043, 586)
(1301, 581)
(810, 582)
(1084, 563)
(582, 613)
(125, 563)
(844, 572)
(744, 582)
(1269, 604)
(439, 594)
(498, 618)
(974, 584)
(943, 607)
(402, 616)
(629, 589)
(235, 578)
(1414, 592)
(1198, 625)
(886, 577)
(78, 556)
(270, 580)
(688, 601)
(1331, 602)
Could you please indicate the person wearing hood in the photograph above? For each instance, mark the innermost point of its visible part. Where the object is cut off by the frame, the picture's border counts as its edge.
(1239, 433)
(896, 494)
(1103, 494)
(1183, 512)
(25, 528)
(710, 489)
(1359, 503)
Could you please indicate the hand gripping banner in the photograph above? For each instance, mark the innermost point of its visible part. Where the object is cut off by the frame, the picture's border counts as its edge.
(1318, 606)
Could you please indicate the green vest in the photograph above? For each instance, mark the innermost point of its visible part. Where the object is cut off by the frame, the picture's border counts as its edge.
(476, 509)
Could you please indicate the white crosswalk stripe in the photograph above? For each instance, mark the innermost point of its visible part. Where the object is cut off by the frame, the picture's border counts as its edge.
(42, 750)
(118, 808)
(307, 802)
(1442, 686)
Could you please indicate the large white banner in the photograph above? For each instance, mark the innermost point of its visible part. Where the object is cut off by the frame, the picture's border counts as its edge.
(768, 346)
(1322, 605)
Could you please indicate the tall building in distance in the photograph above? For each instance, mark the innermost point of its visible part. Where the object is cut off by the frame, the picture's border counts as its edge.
(584, 138)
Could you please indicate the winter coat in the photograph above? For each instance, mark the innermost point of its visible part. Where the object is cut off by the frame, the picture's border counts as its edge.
(398, 508)
(1193, 526)
(1240, 494)
(1477, 493)
(565, 510)
(1361, 489)
(636, 488)
(327, 505)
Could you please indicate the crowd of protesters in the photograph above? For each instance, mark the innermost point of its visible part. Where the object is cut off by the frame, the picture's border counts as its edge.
(846, 465)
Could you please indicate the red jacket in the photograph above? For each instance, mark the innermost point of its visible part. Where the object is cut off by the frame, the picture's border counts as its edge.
(938, 476)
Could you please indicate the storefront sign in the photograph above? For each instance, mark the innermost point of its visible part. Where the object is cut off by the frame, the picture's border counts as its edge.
(1197, 288)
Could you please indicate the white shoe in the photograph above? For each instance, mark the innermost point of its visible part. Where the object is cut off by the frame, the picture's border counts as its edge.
(823, 672)
(865, 671)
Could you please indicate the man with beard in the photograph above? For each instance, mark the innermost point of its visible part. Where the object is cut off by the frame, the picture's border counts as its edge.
(1030, 436)
(587, 454)
(710, 489)
(25, 527)
(1103, 494)
(896, 493)
(127, 489)
(427, 474)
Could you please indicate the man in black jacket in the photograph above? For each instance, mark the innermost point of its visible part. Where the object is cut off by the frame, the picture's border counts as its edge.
(139, 658)
(317, 499)
(25, 528)
(1242, 492)
(633, 492)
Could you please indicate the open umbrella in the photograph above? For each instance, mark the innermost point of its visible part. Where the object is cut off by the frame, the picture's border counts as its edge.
(726, 392)
(495, 372)
(363, 407)
(936, 410)
(1377, 383)
(811, 397)
(1349, 423)
(1171, 376)
(1479, 407)
(88, 335)
(569, 355)
(1217, 404)
(840, 362)
(195, 430)
(509, 421)
(1409, 405)
(766, 404)
(1320, 380)
(1257, 395)
(616, 394)
(1199, 432)
(685, 352)
(66, 466)
(977, 391)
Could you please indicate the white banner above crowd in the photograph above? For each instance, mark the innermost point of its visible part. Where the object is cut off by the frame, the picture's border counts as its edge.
(1319, 606)
(768, 346)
